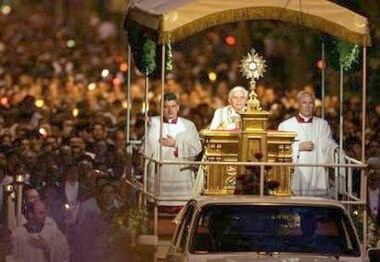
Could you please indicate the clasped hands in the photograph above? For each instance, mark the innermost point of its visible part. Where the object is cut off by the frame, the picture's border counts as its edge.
(39, 242)
(306, 146)
(168, 141)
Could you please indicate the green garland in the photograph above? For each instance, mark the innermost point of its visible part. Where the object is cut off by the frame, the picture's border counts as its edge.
(130, 222)
(148, 57)
(340, 53)
(169, 58)
(144, 48)
(348, 54)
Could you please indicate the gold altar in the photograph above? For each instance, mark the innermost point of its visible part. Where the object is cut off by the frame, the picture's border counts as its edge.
(253, 143)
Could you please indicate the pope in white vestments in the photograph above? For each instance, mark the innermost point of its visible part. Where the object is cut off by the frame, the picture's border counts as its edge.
(313, 145)
(228, 118)
(180, 141)
(225, 118)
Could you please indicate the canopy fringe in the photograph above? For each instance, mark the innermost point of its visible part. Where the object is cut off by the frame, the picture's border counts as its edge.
(270, 13)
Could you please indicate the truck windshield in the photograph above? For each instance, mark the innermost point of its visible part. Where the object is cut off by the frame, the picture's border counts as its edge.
(274, 228)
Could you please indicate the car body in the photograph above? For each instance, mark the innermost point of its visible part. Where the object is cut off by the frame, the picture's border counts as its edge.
(240, 228)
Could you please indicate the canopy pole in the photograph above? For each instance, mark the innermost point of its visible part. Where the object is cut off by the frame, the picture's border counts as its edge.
(341, 135)
(341, 108)
(363, 175)
(337, 169)
(158, 178)
(364, 103)
(162, 96)
(129, 170)
(145, 107)
(323, 81)
(128, 135)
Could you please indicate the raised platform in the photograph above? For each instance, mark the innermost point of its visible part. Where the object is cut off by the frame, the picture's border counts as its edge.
(165, 230)
(166, 227)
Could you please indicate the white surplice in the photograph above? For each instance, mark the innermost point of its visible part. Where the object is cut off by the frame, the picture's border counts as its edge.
(23, 249)
(176, 181)
(311, 181)
(225, 118)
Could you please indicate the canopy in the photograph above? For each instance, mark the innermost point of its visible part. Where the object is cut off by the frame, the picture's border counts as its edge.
(173, 20)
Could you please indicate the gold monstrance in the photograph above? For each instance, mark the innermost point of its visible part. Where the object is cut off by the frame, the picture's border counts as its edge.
(253, 67)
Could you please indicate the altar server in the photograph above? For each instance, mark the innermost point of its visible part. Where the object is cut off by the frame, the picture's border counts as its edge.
(180, 141)
(313, 145)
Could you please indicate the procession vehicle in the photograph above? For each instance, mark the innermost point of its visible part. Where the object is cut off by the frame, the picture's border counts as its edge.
(246, 228)
(222, 223)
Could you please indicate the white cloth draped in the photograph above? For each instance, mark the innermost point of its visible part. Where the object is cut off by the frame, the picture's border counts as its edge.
(225, 118)
(312, 181)
(23, 249)
(176, 181)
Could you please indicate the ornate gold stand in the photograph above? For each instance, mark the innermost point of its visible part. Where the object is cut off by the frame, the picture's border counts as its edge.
(254, 139)
(279, 146)
(220, 146)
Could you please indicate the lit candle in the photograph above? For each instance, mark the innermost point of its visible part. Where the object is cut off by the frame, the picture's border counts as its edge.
(12, 215)
(11, 219)
(20, 178)
(8, 188)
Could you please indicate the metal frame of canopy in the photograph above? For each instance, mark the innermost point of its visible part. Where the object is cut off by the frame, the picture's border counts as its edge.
(175, 20)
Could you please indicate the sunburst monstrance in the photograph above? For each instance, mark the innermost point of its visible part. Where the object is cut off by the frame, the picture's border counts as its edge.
(253, 67)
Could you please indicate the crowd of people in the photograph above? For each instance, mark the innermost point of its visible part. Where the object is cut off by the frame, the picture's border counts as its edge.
(63, 123)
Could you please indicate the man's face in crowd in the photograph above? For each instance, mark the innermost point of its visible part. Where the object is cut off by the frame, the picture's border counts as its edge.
(39, 212)
(120, 139)
(98, 132)
(6, 140)
(67, 127)
(100, 147)
(25, 145)
(21, 131)
(84, 134)
(107, 195)
(237, 100)
(32, 195)
(171, 109)
(373, 179)
(306, 106)
(50, 144)
(77, 145)
(36, 144)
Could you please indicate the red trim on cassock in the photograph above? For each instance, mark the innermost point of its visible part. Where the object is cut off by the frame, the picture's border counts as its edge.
(300, 119)
(173, 121)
